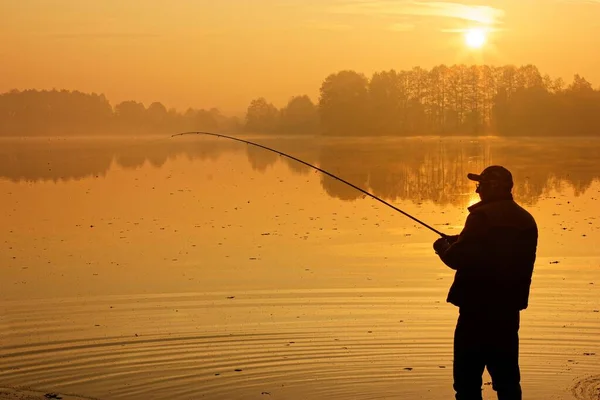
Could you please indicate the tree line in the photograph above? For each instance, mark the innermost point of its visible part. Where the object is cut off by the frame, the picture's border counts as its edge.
(65, 113)
(456, 100)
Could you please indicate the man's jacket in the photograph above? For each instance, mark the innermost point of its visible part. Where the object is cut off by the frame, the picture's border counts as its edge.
(493, 258)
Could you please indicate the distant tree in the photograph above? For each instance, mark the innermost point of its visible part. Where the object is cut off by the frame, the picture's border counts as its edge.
(130, 115)
(299, 116)
(130, 110)
(261, 116)
(530, 77)
(488, 92)
(473, 96)
(157, 112)
(205, 120)
(559, 85)
(580, 85)
(418, 101)
(507, 80)
(581, 107)
(457, 106)
(387, 99)
(343, 104)
(157, 117)
(438, 98)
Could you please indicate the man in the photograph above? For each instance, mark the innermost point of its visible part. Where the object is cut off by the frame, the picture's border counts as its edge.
(493, 257)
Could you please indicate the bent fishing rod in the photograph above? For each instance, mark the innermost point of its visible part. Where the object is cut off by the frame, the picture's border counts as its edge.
(318, 169)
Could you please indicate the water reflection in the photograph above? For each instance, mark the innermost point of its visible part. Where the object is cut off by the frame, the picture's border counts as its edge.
(415, 169)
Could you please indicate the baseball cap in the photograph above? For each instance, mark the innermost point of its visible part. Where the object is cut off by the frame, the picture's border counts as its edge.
(495, 173)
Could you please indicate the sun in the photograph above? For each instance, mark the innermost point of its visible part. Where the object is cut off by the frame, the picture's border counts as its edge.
(475, 38)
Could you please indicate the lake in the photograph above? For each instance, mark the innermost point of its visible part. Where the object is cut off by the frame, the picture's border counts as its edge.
(196, 267)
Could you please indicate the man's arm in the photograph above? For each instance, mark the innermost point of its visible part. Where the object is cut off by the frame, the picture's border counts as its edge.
(467, 250)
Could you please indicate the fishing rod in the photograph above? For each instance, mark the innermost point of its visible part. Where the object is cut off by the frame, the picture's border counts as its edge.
(318, 169)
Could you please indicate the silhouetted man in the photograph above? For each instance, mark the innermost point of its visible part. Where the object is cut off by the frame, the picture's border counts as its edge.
(493, 257)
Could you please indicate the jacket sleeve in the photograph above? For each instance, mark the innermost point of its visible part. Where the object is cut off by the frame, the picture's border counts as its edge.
(469, 249)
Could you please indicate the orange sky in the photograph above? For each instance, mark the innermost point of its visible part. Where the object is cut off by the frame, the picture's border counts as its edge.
(224, 53)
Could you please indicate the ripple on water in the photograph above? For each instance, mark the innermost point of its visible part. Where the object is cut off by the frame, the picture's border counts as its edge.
(331, 345)
(297, 345)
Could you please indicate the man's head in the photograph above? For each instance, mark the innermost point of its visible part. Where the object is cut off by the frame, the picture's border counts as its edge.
(494, 182)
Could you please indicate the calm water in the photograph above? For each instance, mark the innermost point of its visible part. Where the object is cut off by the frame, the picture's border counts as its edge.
(194, 267)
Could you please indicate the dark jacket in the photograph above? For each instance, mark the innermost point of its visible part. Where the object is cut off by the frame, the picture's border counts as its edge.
(493, 258)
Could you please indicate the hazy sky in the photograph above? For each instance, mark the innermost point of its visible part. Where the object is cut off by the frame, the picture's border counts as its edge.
(223, 53)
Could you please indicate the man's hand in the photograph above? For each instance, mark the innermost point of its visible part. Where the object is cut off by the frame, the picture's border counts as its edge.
(441, 245)
(452, 239)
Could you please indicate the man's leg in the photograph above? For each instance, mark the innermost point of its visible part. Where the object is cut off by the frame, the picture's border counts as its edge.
(503, 357)
(468, 359)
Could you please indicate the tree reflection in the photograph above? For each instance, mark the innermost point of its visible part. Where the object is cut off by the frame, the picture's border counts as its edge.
(395, 169)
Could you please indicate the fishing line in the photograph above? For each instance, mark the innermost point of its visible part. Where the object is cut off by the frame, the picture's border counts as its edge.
(318, 169)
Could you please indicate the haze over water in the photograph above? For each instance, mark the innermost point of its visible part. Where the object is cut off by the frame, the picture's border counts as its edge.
(193, 267)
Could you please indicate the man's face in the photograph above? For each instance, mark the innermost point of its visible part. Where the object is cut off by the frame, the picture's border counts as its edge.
(480, 190)
(490, 189)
